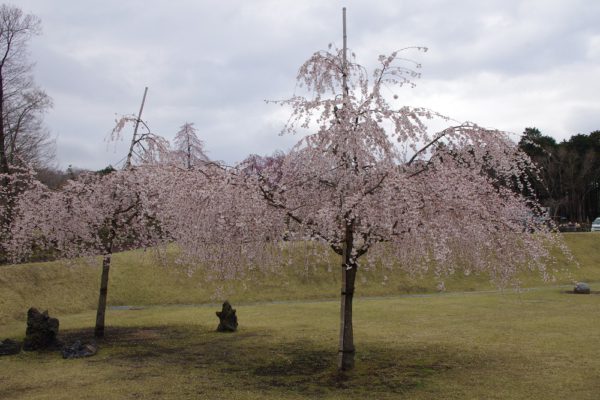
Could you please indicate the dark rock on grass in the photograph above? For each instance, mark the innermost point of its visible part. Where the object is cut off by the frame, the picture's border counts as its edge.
(79, 350)
(227, 319)
(41, 332)
(9, 347)
(581, 288)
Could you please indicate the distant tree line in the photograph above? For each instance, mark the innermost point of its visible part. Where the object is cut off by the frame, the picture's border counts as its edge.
(568, 181)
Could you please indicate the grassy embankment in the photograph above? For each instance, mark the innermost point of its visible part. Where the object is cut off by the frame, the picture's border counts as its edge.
(540, 344)
(137, 278)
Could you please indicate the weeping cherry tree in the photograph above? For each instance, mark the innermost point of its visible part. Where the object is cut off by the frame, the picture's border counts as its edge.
(382, 190)
(94, 215)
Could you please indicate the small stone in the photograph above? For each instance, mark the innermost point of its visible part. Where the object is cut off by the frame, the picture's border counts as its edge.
(41, 331)
(9, 347)
(227, 319)
(79, 350)
(581, 288)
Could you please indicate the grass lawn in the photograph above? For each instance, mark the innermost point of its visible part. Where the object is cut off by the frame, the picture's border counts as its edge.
(538, 344)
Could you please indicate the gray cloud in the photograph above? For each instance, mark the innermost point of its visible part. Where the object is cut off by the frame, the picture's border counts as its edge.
(508, 64)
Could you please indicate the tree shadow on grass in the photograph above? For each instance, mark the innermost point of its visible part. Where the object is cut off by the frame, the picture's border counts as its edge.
(261, 361)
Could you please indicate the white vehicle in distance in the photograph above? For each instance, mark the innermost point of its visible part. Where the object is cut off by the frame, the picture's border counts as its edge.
(596, 225)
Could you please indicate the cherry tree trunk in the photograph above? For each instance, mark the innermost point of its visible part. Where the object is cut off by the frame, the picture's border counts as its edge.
(101, 312)
(349, 267)
(346, 350)
(4, 169)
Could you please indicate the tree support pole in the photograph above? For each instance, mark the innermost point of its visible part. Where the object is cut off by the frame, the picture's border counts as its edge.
(135, 130)
(346, 347)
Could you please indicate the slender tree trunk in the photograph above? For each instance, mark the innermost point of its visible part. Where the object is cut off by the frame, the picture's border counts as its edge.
(6, 201)
(189, 153)
(101, 312)
(4, 169)
(349, 267)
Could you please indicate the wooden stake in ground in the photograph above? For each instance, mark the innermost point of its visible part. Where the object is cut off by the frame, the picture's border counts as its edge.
(134, 138)
(346, 347)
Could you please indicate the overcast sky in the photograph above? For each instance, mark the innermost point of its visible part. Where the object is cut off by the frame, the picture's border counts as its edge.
(506, 64)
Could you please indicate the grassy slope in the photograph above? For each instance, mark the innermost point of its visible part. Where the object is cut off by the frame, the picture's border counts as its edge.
(138, 279)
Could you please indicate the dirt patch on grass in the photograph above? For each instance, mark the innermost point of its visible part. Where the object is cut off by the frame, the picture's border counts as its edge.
(297, 361)
(313, 372)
